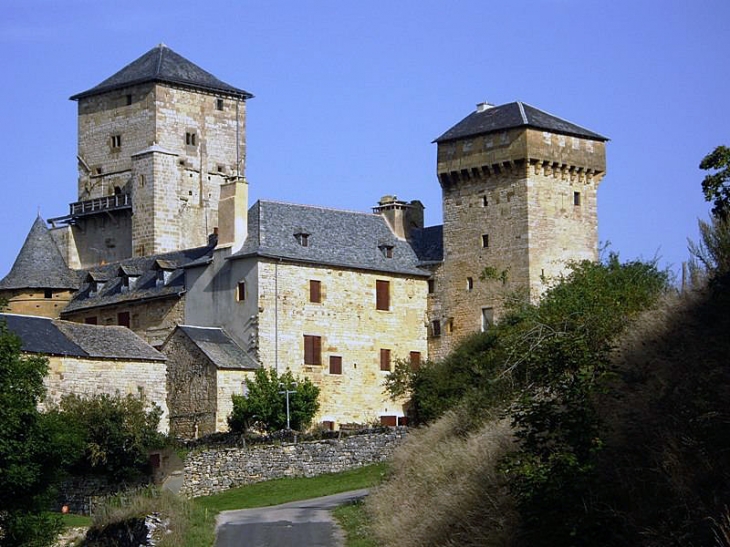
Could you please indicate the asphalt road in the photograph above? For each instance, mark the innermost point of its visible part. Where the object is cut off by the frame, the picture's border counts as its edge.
(305, 523)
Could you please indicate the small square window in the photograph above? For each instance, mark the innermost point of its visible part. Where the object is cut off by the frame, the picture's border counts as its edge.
(219, 104)
(576, 198)
(116, 141)
(191, 138)
(302, 239)
(335, 364)
(387, 251)
(385, 360)
(485, 241)
(48, 293)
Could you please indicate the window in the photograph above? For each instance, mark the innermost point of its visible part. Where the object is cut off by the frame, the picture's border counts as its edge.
(382, 295)
(576, 198)
(387, 251)
(485, 201)
(450, 325)
(431, 286)
(315, 291)
(415, 359)
(335, 364)
(90, 320)
(129, 99)
(435, 328)
(469, 283)
(241, 291)
(312, 350)
(487, 318)
(219, 104)
(385, 359)
(123, 319)
(47, 293)
(191, 138)
(302, 239)
(116, 141)
(485, 241)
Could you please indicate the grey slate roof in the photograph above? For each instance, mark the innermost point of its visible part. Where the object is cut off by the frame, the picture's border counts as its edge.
(428, 243)
(145, 286)
(334, 238)
(163, 65)
(55, 337)
(220, 348)
(39, 264)
(511, 115)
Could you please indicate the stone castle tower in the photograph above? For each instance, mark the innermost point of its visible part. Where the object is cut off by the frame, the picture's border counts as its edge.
(156, 142)
(519, 202)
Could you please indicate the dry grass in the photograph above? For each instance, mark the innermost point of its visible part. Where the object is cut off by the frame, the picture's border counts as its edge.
(444, 489)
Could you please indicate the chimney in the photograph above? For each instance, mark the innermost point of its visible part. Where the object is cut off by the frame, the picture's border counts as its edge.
(401, 217)
(483, 107)
(233, 215)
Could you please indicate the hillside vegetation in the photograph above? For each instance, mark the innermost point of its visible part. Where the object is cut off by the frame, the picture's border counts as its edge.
(598, 417)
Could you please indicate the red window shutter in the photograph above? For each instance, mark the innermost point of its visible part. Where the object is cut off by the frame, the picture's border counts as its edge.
(382, 295)
(415, 360)
(335, 364)
(385, 359)
(390, 421)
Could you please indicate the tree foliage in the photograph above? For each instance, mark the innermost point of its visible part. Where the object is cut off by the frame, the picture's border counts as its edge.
(716, 185)
(33, 449)
(264, 405)
(116, 432)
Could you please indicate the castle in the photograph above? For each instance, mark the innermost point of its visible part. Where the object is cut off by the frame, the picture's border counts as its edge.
(162, 240)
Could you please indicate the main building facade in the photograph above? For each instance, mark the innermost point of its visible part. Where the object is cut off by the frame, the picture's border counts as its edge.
(162, 240)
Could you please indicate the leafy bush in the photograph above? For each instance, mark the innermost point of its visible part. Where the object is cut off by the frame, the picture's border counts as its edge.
(264, 405)
(117, 433)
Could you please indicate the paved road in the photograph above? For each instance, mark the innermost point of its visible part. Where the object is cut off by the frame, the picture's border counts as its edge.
(305, 523)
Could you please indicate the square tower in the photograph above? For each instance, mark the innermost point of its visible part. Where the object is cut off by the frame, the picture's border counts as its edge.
(519, 202)
(155, 143)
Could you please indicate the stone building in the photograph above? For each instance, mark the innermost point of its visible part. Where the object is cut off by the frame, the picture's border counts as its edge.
(91, 359)
(162, 240)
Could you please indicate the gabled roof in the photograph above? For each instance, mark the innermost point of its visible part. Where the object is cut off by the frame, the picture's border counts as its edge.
(334, 238)
(147, 285)
(55, 337)
(39, 264)
(219, 347)
(163, 65)
(512, 115)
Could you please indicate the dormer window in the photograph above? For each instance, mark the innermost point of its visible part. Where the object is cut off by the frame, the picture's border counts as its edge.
(302, 239)
(387, 250)
(163, 272)
(96, 284)
(128, 282)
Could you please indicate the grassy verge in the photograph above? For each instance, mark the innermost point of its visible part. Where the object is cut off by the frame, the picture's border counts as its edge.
(75, 521)
(354, 521)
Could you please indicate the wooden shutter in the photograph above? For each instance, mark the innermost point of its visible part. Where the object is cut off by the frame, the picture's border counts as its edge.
(123, 319)
(315, 291)
(415, 360)
(312, 350)
(382, 295)
(385, 359)
(335, 364)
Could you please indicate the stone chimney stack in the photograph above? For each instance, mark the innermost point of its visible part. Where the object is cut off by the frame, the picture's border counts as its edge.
(401, 217)
(233, 215)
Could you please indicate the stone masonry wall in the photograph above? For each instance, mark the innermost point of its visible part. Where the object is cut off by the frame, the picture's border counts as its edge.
(211, 471)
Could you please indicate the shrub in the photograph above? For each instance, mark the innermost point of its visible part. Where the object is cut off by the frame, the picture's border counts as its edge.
(264, 405)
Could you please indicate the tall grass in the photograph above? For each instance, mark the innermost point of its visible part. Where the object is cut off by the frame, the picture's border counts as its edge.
(444, 490)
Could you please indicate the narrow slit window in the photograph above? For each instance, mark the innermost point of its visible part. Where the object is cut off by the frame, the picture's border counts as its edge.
(485, 241)
(241, 291)
(576, 198)
(469, 283)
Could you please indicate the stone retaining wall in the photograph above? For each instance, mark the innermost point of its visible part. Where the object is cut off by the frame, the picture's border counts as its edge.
(210, 471)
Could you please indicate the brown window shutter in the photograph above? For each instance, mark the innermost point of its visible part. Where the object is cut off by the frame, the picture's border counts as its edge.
(317, 348)
(315, 291)
(312, 350)
(385, 359)
(335, 364)
(382, 295)
(123, 319)
(415, 360)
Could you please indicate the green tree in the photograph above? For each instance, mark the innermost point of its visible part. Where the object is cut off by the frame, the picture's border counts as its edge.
(264, 406)
(117, 433)
(33, 449)
(716, 185)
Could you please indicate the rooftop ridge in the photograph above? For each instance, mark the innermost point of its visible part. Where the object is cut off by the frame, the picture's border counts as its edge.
(319, 207)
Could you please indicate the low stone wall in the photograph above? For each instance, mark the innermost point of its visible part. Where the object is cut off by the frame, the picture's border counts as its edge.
(210, 471)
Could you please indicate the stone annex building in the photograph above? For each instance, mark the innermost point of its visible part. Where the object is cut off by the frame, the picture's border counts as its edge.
(162, 240)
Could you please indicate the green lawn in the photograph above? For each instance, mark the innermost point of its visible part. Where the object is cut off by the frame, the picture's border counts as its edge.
(353, 520)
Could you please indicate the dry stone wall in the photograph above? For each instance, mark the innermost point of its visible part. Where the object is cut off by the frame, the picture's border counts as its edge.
(216, 470)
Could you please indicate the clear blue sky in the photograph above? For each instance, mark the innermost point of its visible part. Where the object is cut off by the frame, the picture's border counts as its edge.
(349, 95)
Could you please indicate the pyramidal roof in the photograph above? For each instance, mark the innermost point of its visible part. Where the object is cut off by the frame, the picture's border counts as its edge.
(488, 119)
(39, 263)
(161, 64)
